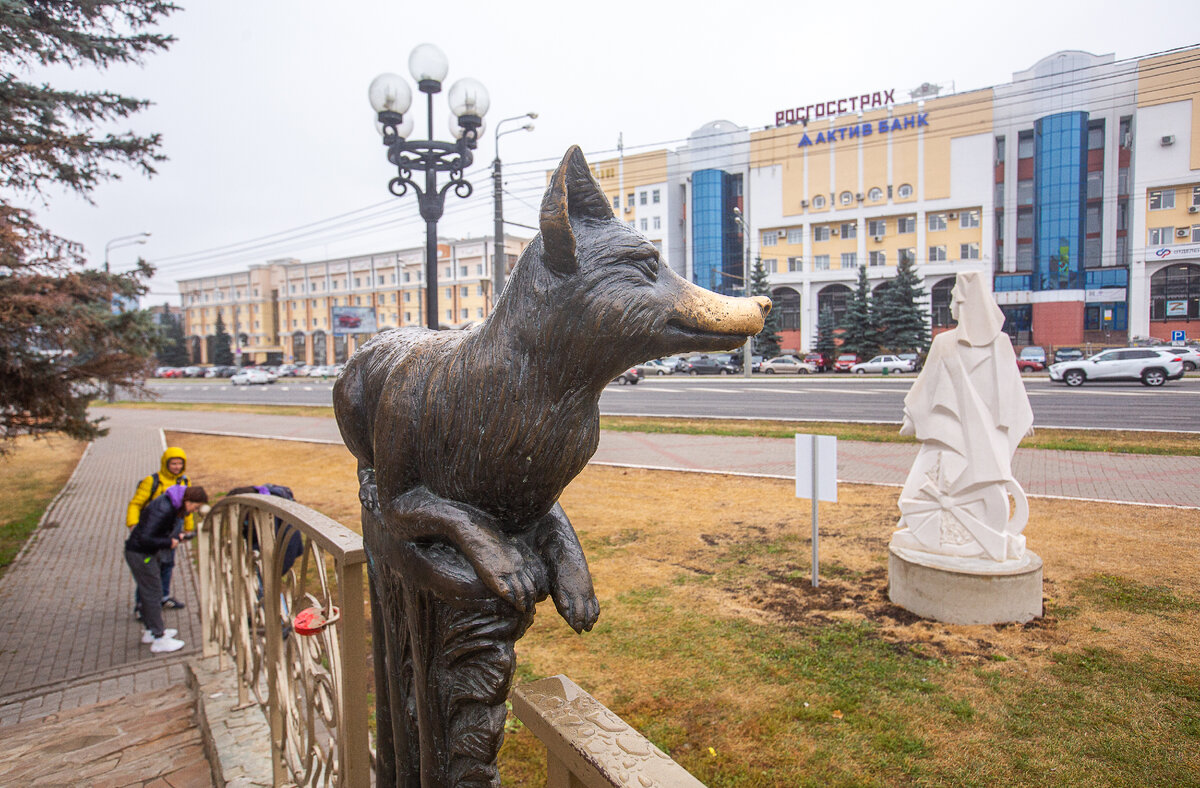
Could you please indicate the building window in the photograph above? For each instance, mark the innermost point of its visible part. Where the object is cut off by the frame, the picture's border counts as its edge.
(1025, 192)
(939, 303)
(407, 295)
(904, 192)
(1096, 137)
(795, 264)
(875, 195)
(462, 270)
(1095, 185)
(629, 202)
(657, 222)
(849, 260)
(357, 283)
(1025, 145)
(846, 198)
(849, 230)
(466, 313)
(969, 252)
(448, 271)
(937, 254)
(449, 314)
(466, 291)
(833, 299)
(771, 265)
(449, 293)
(999, 150)
(795, 235)
(1162, 200)
(1175, 293)
(654, 197)
(408, 317)
(968, 219)
(818, 202)
(908, 255)
(1024, 257)
(616, 203)
(877, 258)
(642, 198)
(906, 224)
(821, 262)
(1196, 233)
(937, 221)
(1024, 224)
(645, 225)
(770, 238)
(1161, 236)
(877, 227)
(1195, 201)
(478, 290)
(821, 233)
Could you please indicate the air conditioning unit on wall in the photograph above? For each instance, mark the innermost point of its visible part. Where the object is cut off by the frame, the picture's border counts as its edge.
(804, 203)
(1168, 139)
(952, 216)
(1194, 209)
(1181, 232)
(783, 233)
(878, 239)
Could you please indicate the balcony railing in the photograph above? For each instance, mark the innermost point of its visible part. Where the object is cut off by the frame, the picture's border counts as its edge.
(312, 687)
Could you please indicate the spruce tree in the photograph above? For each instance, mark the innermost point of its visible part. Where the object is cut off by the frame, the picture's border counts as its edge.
(62, 342)
(174, 350)
(859, 332)
(902, 320)
(222, 354)
(766, 342)
(826, 343)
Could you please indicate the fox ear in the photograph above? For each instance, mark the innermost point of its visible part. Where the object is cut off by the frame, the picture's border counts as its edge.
(572, 193)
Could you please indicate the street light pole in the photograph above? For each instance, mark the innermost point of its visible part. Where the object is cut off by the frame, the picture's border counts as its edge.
(748, 353)
(124, 240)
(499, 250)
(391, 97)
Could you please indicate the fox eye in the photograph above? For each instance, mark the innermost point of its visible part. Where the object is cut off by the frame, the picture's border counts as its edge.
(647, 265)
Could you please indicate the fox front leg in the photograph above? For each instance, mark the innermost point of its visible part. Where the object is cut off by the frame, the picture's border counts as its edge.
(503, 565)
(368, 493)
(570, 579)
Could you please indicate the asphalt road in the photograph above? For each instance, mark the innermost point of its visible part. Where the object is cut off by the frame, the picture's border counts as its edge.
(810, 397)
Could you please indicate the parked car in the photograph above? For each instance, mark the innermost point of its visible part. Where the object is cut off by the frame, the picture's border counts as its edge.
(1152, 366)
(1031, 359)
(786, 364)
(251, 376)
(630, 376)
(818, 360)
(656, 368)
(706, 365)
(883, 364)
(844, 362)
(1067, 354)
(1190, 356)
(914, 360)
(193, 372)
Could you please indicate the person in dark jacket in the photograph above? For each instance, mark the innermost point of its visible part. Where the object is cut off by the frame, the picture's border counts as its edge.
(154, 532)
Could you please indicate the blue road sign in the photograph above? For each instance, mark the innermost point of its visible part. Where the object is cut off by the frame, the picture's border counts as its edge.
(1179, 336)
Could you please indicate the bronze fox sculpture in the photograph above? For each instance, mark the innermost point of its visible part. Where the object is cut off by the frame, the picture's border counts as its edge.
(466, 439)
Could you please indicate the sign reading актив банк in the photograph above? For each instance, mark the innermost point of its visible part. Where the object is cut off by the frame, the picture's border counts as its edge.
(860, 103)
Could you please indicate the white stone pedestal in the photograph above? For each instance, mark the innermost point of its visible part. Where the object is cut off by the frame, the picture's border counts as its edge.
(965, 591)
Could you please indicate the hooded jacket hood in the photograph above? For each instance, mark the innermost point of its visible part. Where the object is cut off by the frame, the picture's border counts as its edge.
(171, 453)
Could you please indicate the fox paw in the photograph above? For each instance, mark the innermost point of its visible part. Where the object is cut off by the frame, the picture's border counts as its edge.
(511, 573)
(368, 496)
(574, 598)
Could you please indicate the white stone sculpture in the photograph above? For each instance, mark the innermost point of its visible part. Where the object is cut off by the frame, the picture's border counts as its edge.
(969, 409)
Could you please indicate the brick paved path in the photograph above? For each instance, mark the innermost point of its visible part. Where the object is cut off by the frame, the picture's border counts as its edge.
(1132, 478)
(68, 635)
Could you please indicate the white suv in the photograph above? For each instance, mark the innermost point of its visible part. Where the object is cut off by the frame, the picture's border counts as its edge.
(1152, 366)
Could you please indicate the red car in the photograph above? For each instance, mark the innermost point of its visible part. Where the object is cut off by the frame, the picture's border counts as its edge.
(818, 360)
(844, 362)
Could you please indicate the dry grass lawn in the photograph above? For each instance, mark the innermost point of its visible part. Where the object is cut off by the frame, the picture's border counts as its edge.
(31, 474)
(711, 636)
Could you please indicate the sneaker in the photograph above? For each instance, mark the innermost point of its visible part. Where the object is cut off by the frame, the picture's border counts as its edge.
(148, 636)
(165, 644)
(171, 603)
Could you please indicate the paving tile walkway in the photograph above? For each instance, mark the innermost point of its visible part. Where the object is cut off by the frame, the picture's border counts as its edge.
(68, 635)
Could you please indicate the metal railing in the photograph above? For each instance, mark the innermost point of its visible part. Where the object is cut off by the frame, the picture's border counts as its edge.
(311, 687)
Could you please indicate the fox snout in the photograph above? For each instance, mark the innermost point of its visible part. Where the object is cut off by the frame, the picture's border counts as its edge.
(715, 321)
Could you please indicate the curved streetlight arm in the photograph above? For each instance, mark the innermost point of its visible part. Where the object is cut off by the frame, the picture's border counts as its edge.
(499, 250)
(123, 240)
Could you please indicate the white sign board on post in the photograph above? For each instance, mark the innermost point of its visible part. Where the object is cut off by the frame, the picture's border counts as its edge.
(816, 479)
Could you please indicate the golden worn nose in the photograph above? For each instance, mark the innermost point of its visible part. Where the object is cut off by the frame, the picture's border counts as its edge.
(764, 304)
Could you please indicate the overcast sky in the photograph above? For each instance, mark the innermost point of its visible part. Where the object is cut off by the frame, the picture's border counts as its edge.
(263, 110)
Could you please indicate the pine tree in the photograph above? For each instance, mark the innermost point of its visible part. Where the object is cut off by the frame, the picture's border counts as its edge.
(766, 342)
(859, 332)
(174, 350)
(902, 320)
(222, 354)
(62, 340)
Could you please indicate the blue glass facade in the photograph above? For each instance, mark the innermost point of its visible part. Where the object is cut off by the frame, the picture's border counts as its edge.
(716, 241)
(1060, 193)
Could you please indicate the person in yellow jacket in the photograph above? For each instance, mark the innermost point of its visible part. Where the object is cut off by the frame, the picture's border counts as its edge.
(171, 472)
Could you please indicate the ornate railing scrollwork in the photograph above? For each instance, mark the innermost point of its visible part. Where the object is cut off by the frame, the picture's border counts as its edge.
(255, 577)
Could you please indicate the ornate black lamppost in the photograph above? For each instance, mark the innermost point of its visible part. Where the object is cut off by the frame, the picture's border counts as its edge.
(391, 97)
